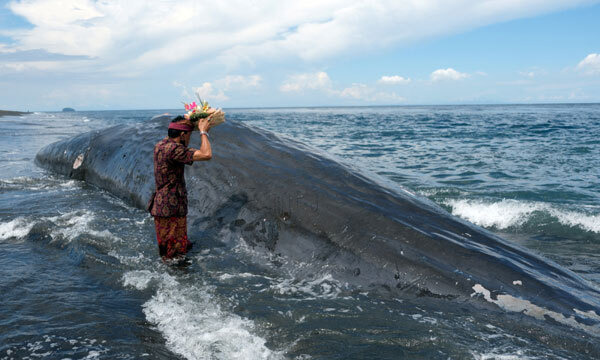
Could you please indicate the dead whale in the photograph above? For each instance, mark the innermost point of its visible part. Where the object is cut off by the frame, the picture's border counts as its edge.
(296, 202)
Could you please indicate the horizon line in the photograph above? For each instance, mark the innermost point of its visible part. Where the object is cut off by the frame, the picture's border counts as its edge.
(338, 106)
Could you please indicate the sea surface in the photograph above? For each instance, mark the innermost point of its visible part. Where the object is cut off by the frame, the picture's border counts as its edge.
(80, 276)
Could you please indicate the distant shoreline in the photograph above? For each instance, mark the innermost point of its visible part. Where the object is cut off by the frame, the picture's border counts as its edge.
(12, 113)
(176, 110)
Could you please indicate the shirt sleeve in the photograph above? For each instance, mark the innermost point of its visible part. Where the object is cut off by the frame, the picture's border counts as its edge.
(184, 155)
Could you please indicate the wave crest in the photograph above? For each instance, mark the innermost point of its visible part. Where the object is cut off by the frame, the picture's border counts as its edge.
(508, 213)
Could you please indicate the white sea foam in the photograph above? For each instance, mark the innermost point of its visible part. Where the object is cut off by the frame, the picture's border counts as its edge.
(76, 223)
(67, 226)
(93, 355)
(139, 279)
(584, 221)
(511, 213)
(192, 322)
(440, 191)
(68, 184)
(129, 260)
(30, 183)
(224, 277)
(17, 228)
(196, 327)
(508, 346)
(324, 287)
(495, 355)
(51, 344)
(424, 319)
(501, 215)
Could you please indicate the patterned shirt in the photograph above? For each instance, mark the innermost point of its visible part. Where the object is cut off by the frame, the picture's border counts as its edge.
(171, 194)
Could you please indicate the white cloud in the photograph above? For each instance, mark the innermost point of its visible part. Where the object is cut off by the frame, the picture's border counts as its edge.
(216, 92)
(519, 82)
(81, 95)
(356, 91)
(83, 92)
(197, 42)
(534, 72)
(393, 80)
(28, 66)
(76, 27)
(131, 36)
(236, 82)
(184, 91)
(5, 49)
(529, 74)
(320, 81)
(447, 74)
(208, 93)
(366, 93)
(309, 81)
(590, 65)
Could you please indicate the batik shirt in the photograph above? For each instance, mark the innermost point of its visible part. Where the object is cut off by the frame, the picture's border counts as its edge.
(169, 161)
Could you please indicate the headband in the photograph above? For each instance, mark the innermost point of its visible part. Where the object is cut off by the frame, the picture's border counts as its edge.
(180, 126)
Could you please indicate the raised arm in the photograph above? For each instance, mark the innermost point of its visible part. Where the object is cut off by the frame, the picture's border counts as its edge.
(205, 151)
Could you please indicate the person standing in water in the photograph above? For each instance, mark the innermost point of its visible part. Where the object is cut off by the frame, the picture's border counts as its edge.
(169, 205)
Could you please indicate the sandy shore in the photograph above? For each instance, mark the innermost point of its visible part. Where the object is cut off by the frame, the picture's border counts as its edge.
(12, 113)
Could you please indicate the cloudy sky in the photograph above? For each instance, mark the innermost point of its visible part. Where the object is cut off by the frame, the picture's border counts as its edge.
(130, 54)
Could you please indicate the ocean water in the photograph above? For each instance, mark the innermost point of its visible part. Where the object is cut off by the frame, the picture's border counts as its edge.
(81, 277)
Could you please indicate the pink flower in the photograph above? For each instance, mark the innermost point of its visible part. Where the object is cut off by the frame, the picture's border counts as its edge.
(187, 107)
(193, 105)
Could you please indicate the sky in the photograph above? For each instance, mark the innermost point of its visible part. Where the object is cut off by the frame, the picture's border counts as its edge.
(154, 54)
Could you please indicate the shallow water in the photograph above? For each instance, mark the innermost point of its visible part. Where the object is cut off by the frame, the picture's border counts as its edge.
(82, 279)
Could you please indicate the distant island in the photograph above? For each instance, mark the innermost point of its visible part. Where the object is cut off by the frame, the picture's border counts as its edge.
(12, 113)
(68, 110)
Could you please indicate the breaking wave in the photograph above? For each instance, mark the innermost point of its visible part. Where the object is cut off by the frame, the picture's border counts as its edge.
(506, 214)
(15, 229)
(193, 322)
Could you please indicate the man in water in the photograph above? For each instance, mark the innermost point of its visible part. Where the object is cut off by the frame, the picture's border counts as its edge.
(169, 204)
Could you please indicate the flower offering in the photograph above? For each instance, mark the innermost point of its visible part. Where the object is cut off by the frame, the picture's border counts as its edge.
(202, 110)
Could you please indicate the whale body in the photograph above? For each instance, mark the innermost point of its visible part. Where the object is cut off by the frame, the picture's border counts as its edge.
(292, 200)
